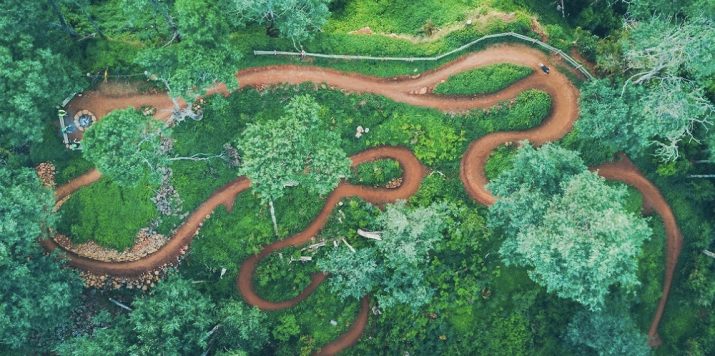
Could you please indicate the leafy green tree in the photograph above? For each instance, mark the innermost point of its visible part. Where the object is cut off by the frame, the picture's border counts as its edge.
(607, 116)
(201, 59)
(585, 243)
(151, 20)
(295, 149)
(34, 81)
(540, 170)
(294, 19)
(525, 189)
(36, 294)
(352, 274)
(126, 146)
(242, 328)
(104, 340)
(174, 320)
(567, 225)
(608, 333)
(395, 268)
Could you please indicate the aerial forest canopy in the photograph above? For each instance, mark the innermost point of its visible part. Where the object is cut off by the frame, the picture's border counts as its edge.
(233, 177)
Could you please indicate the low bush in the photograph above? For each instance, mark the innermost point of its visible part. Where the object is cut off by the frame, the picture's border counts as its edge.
(431, 139)
(484, 80)
(376, 173)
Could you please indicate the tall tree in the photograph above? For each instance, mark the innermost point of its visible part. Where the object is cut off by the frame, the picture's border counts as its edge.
(352, 274)
(525, 189)
(297, 20)
(607, 332)
(242, 328)
(127, 146)
(607, 116)
(36, 294)
(672, 110)
(151, 20)
(585, 244)
(174, 320)
(396, 266)
(34, 81)
(296, 149)
(571, 229)
(202, 58)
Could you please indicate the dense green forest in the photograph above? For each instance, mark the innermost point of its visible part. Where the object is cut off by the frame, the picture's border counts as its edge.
(561, 261)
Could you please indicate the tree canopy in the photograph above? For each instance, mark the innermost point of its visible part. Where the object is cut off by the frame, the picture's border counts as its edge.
(295, 149)
(202, 56)
(607, 332)
(126, 146)
(297, 20)
(395, 267)
(36, 293)
(571, 229)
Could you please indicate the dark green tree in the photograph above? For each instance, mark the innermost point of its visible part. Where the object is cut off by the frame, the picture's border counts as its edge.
(607, 332)
(175, 319)
(202, 58)
(242, 328)
(297, 20)
(37, 295)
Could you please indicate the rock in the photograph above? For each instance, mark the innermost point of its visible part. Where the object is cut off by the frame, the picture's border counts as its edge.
(422, 91)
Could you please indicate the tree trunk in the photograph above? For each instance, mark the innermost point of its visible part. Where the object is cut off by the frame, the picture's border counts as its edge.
(273, 217)
(63, 22)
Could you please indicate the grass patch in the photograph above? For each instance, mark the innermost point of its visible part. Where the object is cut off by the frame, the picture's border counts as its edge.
(485, 80)
(107, 214)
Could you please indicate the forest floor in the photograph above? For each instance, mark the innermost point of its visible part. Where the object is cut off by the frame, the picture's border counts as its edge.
(414, 90)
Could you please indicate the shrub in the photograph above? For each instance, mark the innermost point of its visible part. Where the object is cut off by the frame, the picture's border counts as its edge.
(431, 139)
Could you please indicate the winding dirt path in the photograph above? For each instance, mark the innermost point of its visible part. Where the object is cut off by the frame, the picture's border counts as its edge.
(563, 114)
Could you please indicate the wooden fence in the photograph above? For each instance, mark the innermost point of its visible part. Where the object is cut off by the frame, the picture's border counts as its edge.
(528, 39)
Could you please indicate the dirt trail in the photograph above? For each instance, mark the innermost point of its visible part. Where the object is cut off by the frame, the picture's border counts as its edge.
(563, 114)
(624, 171)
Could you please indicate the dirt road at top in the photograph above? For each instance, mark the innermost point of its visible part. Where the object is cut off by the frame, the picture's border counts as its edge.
(560, 121)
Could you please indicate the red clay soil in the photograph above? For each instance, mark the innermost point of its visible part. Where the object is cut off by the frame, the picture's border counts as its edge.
(563, 114)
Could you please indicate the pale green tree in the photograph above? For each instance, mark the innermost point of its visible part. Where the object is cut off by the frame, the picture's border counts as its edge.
(295, 149)
(394, 269)
(127, 146)
(352, 274)
(585, 243)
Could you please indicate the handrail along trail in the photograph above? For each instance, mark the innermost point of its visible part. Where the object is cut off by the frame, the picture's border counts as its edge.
(563, 114)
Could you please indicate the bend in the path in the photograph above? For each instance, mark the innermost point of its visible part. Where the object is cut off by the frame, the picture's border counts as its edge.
(351, 336)
(167, 254)
(624, 171)
(413, 174)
